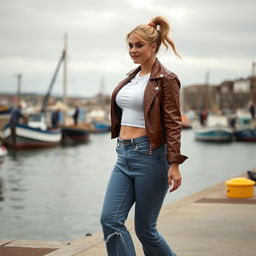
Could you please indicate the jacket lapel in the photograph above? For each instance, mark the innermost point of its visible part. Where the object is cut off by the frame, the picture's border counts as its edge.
(153, 87)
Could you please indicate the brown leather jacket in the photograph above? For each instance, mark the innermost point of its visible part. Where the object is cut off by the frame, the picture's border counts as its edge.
(161, 111)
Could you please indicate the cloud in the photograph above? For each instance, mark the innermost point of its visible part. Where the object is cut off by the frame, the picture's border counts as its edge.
(210, 35)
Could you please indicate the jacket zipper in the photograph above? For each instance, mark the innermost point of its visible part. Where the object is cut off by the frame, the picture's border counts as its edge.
(150, 150)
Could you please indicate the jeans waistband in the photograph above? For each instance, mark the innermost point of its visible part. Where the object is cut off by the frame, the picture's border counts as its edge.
(132, 141)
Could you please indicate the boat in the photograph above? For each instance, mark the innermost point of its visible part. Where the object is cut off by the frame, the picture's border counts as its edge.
(70, 132)
(245, 128)
(100, 127)
(4, 115)
(212, 128)
(185, 123)
(74, 133)
(3, 152)
(245, 122)
(5, 110)
(34, 134)
(245, 134)
(251, 175)
(216, 130)
(217, 134)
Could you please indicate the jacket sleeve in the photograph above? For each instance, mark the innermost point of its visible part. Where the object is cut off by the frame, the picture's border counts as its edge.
(172, 118)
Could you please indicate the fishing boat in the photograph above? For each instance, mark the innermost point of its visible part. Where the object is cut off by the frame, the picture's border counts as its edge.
(3, 152)
(74, 133)
(245, 134)
(245, 122)
(245, 128)
(217, 134)
(4, 115)
(5, 110)
(100, 127)
(185, 123)
(98, 120)
(70, 132)
(34, 134)
(251, 175)
(216, 130)
(212, 128)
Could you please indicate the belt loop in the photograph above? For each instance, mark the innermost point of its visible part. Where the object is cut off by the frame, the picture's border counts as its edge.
(133, 143)
(118, 142)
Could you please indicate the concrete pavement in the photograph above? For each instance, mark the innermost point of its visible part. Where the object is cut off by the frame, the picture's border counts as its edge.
(207, 223)
(204, 224)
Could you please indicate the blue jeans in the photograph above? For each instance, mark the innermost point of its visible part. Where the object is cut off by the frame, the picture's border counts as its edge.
(139, 176)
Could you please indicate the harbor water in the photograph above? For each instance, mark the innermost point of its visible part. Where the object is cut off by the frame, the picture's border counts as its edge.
(57, 193)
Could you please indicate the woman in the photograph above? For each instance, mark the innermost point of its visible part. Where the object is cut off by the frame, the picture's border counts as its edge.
(145, 115)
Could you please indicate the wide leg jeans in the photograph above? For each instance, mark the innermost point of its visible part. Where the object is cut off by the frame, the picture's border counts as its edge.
(139, 176)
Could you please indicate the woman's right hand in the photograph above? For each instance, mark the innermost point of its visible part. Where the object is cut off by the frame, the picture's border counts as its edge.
(174, 177)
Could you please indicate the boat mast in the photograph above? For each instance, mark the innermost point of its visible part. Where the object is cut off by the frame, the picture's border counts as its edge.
(206, 96)
(47, 96)
(253, 83)
(19, 77)
(253, 69)
(65, 69)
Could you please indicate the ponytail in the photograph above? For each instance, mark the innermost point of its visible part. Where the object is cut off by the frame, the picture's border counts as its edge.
(163, 29)
(157, 31)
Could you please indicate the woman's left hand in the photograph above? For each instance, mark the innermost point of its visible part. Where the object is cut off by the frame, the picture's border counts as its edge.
(174, 177)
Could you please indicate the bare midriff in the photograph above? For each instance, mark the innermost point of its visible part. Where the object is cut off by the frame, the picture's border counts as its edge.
(130, 132)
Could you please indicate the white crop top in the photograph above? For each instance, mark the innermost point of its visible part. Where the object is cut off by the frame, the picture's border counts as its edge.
(131, 100)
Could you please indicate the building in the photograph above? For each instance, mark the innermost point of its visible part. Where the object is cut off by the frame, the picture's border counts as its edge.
(199, 97)
(225, 97)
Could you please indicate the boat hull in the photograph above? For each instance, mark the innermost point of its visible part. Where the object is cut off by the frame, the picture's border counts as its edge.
(29, 137)
(185, 126)
(185, 123)
(3, 153)
(73, 134)
(214, 134)
(5, 110)
(245, 134)
(99, 127)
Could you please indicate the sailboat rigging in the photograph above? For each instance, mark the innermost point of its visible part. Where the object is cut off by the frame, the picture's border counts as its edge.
(47, 96)
(70, 133)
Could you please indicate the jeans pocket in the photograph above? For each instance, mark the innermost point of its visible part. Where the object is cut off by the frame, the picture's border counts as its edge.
(143, 149)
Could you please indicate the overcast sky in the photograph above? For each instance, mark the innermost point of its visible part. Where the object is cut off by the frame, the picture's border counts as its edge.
(211, 35)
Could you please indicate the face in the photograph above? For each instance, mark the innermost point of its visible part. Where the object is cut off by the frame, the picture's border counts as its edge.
(140, 51)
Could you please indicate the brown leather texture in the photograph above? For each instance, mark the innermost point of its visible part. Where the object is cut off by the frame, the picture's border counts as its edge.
(161, 110)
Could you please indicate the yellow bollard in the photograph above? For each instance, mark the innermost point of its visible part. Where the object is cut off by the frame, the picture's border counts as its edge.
(240, 187)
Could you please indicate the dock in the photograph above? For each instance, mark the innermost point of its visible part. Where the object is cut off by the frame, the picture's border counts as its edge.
(207, 223)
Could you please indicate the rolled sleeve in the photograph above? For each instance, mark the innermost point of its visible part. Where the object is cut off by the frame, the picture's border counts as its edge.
(172, 118)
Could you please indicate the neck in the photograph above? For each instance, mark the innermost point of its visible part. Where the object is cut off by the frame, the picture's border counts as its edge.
(147, 66)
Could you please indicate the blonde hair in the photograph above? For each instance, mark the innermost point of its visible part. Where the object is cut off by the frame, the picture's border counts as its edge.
(155, 32)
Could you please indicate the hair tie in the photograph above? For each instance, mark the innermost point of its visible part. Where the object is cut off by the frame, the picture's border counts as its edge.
(152, 24)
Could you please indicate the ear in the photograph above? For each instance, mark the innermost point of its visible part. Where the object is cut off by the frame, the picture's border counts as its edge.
(154, 46)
